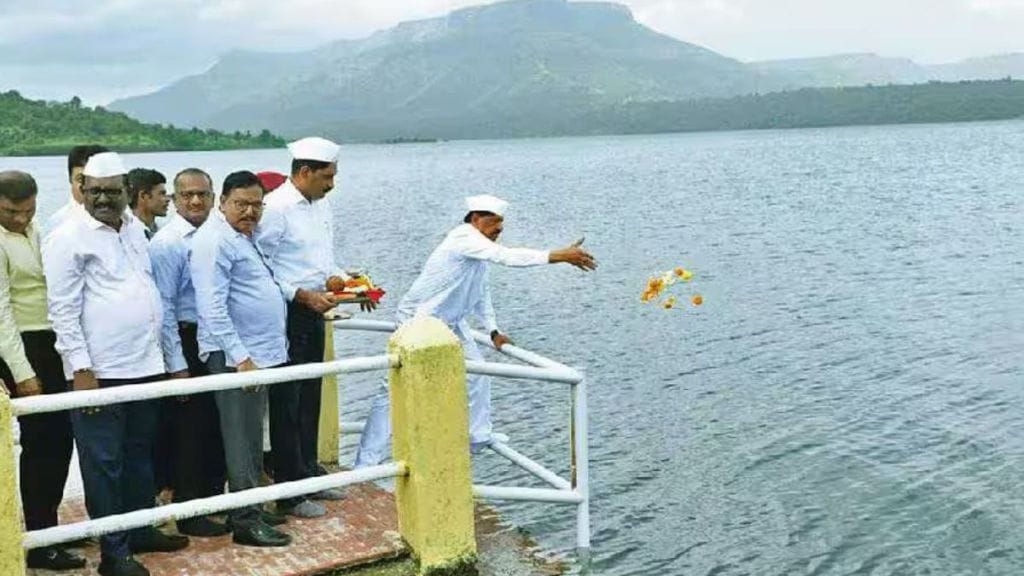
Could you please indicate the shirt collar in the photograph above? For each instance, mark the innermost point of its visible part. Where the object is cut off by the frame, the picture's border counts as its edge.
(290, 193)
(29, 230)
(182, 226)
(222, 222)
(127, 219)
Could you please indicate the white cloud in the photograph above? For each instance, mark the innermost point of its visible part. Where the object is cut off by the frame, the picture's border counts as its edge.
(659, 10)
(995, 5)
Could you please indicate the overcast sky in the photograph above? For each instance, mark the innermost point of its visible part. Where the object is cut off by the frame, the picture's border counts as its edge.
(104, 49)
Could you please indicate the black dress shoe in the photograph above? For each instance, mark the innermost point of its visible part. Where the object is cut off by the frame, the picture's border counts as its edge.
(259, 534)
(271, 519)
(202, 527)
(54, 558)
(268, 518)
(153, 540)
(122, 567)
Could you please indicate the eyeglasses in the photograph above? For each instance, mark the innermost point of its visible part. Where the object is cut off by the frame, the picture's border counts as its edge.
(246, 206)
(193, 195)
(95, 193)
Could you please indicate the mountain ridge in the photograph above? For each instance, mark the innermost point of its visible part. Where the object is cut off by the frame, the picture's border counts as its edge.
(497, 70)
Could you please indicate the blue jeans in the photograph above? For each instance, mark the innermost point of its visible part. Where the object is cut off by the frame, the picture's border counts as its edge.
(115, 451)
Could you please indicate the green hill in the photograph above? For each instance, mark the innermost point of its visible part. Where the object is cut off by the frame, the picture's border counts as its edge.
(933, 102)
(32, 127)
(500, 70)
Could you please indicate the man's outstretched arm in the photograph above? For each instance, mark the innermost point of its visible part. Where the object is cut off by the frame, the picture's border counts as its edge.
(575, 255)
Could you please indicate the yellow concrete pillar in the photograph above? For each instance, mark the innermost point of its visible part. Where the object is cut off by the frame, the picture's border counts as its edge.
(12, 555)
(327, 437)
(430, 423)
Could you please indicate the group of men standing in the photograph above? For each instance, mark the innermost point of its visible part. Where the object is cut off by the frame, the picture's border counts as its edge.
(235, 288)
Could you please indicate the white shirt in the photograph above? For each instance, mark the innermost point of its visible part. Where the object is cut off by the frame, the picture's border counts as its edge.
(103, 304)
(55, 219)
(453, 284)
(297, 237)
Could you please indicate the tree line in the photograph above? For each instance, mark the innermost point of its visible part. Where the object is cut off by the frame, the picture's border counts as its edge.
(933, 102)
(35, 127)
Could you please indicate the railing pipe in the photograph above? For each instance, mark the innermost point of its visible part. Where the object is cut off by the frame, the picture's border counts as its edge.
(531, 466)
(564, 375)
(581, 462)
(527, 494)
(180, 387)
(200, 506)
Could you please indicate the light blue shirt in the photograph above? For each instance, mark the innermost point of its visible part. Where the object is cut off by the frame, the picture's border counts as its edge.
(240, 307)
(169, 251)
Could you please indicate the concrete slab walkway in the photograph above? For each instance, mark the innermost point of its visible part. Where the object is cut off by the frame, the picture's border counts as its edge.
(362, 528)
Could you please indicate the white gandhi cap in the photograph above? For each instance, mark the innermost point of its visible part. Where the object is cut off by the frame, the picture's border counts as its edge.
(104, 165)
(315, 148)
(486, 203)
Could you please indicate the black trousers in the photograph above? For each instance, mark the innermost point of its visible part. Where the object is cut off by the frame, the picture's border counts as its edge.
(46, 439)
(295, 406)
(197, 469)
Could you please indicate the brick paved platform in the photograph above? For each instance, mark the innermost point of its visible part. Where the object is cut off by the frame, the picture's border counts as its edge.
(360, 529)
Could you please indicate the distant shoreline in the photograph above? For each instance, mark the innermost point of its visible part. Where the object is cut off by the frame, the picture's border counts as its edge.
(557, 136)
(915, 104)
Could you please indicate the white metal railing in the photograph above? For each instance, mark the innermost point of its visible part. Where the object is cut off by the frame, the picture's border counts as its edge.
(540, 368)
(575, 491)
(185, 386)
(178, 387)
(201, 506)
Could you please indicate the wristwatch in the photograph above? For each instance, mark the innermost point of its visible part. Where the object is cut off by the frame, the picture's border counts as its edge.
(494, 333)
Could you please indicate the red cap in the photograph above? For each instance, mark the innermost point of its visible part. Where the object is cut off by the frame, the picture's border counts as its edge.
(271, 180)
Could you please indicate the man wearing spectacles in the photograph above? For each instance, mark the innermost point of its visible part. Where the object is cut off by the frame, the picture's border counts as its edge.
(241, 328)
(106, 313)
(197, 469)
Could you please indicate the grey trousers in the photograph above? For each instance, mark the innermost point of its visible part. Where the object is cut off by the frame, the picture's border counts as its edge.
(241, 427)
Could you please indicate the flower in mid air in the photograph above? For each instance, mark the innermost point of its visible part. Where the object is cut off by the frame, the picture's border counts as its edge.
(659, 283)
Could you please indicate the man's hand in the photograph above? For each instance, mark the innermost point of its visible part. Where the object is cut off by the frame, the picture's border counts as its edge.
(84, 380)
(180, 375)
(28, 387)
(500, 339)
(248, 365)
(319, 302)
(574, 255)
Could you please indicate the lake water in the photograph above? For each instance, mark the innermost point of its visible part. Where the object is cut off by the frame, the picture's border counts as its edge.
(847, 401)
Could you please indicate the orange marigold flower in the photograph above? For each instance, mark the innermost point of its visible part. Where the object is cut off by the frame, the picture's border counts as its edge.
(670, 303)
(697, 300)
(679, 272)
